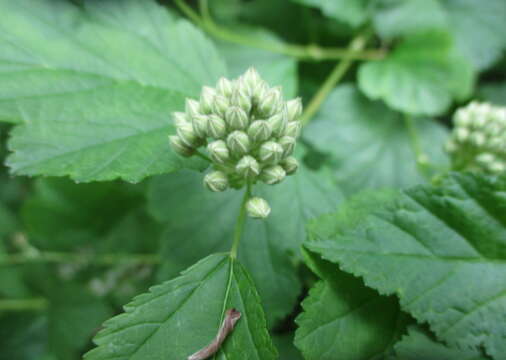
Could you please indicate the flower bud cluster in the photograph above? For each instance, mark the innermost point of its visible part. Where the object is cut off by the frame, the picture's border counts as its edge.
(248, 130)
(478, 140)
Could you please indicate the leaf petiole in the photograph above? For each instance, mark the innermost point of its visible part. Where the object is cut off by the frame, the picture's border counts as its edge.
(239, 225)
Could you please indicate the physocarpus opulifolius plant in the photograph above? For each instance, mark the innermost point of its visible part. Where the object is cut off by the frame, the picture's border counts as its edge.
(478, 140)
(249, 132)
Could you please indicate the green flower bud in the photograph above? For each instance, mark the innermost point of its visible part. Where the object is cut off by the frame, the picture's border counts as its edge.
(187, 134)
(450, 146)
(192, 108)
(236, 118)
(218, 151)
(250, 79)
(461, 134)
(258, 208)
(290, 165)
(477, 138)
(259, 91)
(225, 87)
(248, 167)
(462, 118)
(272, 175)
(241, 99)
(270, 102)
(220, 105)
(200, 125)
(294, 108)
(179, 119)
(216, 127)
(207, 100)
(270, 152)
(278, 123)
(216, 181)
(497, 167)
(260, 130)
(238, 143)
(293, 129)
(288, 144)
(485, 159)
(179, 147)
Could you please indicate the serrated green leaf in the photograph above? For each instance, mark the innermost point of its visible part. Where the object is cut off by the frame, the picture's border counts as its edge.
(494, 93)
(343, 319)
(179, 317)
(276, 69)
(421, 76)
(370, 144)
(418, 344)
(354, 13)
(440, 249)
(206, 221)
(93, 87)
(479, 28)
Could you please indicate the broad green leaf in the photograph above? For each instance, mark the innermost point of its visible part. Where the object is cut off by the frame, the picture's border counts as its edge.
(479, 28)
(62, 215)
(93, 87)
(343, 319)
(440, 249)
(354, 12)
(420, 345)
(400, 17)
(421, 76)
(276, 69)
(494, 93)
(206, 221)
(286, 348)
(369, 144)
(73, 316)
(181, 316)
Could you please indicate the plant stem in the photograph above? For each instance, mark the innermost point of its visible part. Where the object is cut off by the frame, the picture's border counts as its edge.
(239, 225)
(23, 304)
(422, 160)
(357, 44)
(62, 257)
(310, 52)
(202, 156)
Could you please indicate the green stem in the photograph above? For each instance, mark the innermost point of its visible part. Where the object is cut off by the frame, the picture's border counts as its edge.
(422, 160)
(62, 257)
(202, 156)
(239, 225)
(35, 304)
(357, 44)
(310, 52)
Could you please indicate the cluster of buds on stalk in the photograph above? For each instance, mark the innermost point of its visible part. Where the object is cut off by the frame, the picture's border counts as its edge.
(249, 132)
(478, 140)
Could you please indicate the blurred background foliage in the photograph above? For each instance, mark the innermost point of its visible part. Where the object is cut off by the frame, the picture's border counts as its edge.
(75, 253)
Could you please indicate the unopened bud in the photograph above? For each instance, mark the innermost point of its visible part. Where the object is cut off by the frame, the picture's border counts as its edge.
(220, 105)
(258, 208)
(278, 123)
(216, 181)
(218, 151)
(187, 134)
(236, 118)
(450, 146)
(293, 129)
(225, 87)
(477, 138)
(273, 174)
(461, 134)
(207, 100)
(200, 125)
(179, 119)
(250, 79)
(216, 127)
(238, 143)
(248, 167)
(485, 159)
(241, 99)
(179, 147)
(290, 165)
(260, 130)
(294, 108)
(270, 102)
(288, 144)
(497, 167)
(270, 152)
(259, 91)
(192, 108)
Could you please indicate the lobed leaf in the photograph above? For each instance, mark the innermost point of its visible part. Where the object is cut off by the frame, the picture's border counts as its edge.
(181, 316)
(93, 87)
(440, 249)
